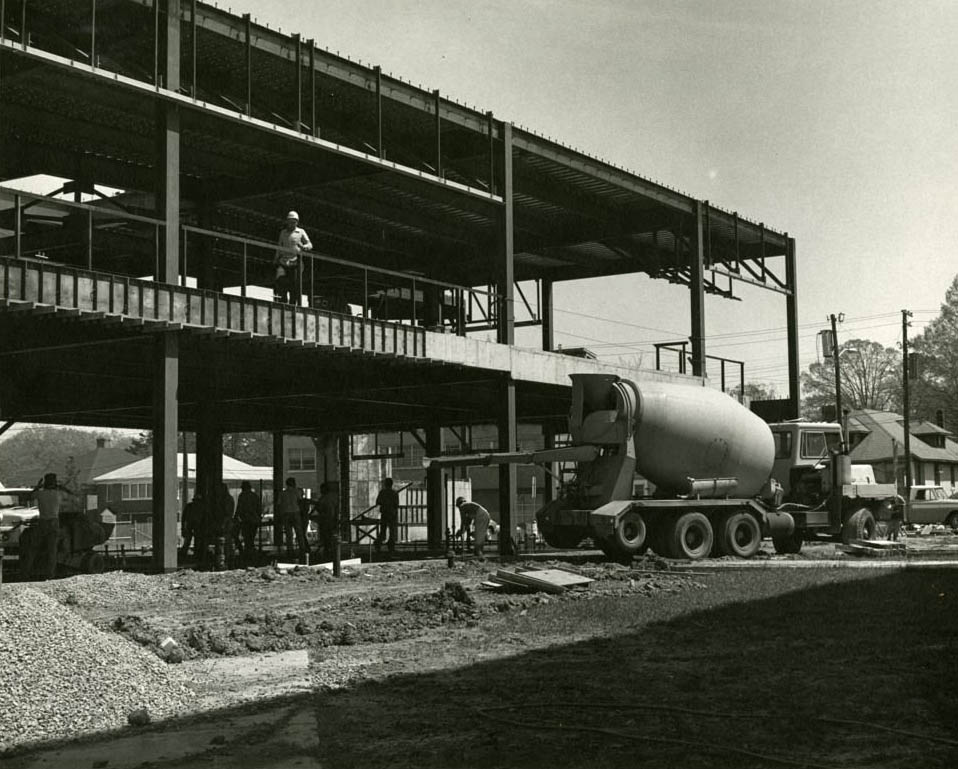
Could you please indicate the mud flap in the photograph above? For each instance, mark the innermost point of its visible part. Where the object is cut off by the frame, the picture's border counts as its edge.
(778, 525)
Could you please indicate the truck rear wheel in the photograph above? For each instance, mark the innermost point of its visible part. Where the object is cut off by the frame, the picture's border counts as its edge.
(631, 535)
(952, 521)
(741, 534)
(690, 536)
(860, 525)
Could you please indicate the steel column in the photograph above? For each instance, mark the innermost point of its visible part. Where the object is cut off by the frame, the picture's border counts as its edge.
(505, 265)
(249, 64)
(379, 110)
(345, 512)
(548, 481)
(165, 419)
(697, 289)
(435, 96)
(92, 32)
(168, 151)
(278, 468)
(435, 491)
(508, 487)
(546, 315)
(312, 87)
(490, 122)
(791, 320)
(193, 47)
(299, 83)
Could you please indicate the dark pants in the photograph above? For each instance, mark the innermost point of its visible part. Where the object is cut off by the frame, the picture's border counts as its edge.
(390, 524)
(286, 288)
(295, 522)
(39, 561)
(248, 532)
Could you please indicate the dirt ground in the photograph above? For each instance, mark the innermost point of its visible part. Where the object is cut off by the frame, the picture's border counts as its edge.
(816, 660)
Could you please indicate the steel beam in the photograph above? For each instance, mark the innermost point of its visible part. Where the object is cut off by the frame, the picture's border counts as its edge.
(791, 319)
(165, 420)
(505, 258)
(697, 291)
(508, 486)
(435, 491)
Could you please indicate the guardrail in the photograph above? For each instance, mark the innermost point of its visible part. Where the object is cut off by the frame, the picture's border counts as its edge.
(108, 241)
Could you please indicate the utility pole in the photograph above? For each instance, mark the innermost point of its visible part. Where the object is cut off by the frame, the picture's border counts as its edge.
(838, 373)
(906, 405)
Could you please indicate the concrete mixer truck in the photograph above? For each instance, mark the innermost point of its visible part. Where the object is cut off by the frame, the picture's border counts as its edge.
(723, 477)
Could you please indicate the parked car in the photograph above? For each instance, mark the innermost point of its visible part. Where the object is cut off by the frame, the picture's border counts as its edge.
(17, 510)
(929, 504)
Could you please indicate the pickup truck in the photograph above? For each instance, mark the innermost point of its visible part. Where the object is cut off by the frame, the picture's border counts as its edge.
(929, 504)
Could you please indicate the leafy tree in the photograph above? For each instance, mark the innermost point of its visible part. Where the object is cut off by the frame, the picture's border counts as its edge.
(936, 386)
(870, 375)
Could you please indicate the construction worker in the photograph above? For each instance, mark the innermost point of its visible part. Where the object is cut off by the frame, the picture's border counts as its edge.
(325, 512)
(292, 241)
(189, 526)
(475, 517)
(223, 529)
(247, 519)
(291, 518)
(42, 558)
(388, 503)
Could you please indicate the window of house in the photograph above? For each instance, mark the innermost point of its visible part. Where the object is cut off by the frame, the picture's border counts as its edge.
(132, 491)
(301, 459)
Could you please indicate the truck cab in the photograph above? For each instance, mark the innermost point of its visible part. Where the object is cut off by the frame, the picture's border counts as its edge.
(801, 448)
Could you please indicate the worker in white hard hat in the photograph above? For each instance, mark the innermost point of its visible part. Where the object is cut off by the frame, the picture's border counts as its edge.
(293, 240)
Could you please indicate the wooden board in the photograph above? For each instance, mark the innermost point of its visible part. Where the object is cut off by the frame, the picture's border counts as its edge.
(548, 580)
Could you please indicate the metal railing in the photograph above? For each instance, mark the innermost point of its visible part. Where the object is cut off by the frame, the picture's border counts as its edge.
(120, 248)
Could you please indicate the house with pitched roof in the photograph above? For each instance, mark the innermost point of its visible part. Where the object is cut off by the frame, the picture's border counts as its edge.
(877, 438)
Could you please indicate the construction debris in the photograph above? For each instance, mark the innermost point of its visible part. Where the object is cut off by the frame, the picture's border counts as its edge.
(533, 580)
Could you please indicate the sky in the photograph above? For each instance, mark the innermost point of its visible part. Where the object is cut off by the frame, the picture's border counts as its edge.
(832, 121)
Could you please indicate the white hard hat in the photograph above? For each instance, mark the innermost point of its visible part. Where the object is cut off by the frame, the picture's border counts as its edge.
(292, 215)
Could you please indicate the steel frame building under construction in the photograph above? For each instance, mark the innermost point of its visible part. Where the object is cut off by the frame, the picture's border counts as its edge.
(140, 309)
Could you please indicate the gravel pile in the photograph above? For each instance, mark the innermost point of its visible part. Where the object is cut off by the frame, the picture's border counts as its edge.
(113, 588)
(61, 677)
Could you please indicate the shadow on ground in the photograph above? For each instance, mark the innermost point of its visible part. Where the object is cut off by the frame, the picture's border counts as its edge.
(857, 672)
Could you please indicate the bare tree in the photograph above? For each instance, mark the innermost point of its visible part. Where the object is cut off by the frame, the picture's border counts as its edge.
(870, 375)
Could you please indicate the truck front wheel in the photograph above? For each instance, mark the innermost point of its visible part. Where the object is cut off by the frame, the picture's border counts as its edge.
(860, 525)
(952, 521)
(741, 535)
(690, 536)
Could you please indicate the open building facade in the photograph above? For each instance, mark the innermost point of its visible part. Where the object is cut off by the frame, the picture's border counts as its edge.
(134, 297)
